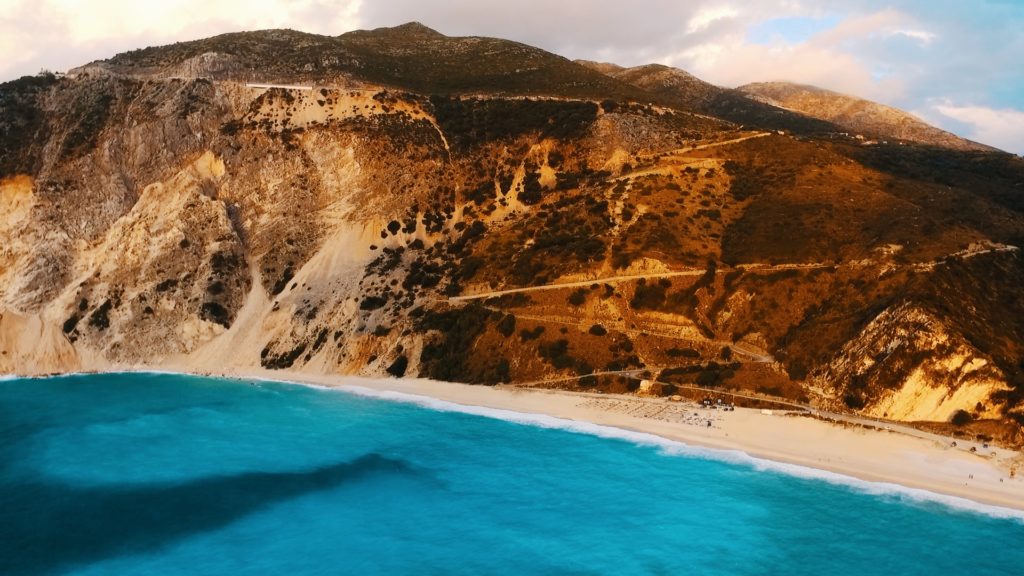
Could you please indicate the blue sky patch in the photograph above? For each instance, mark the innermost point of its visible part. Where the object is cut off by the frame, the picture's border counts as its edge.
(791, 30)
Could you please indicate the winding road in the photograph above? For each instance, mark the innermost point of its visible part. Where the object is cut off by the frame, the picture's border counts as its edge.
(578, 284)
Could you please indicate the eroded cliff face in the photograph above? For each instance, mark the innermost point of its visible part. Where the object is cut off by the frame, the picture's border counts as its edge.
(145, 247)
(166, 277)
(907, 365)
(150, 220)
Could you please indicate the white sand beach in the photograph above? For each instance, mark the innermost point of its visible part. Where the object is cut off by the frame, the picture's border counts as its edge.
(882, 456)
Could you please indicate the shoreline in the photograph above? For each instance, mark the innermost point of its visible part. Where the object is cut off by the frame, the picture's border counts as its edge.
(846, 454)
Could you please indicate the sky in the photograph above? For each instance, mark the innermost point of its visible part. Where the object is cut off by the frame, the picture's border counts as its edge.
(958, 64)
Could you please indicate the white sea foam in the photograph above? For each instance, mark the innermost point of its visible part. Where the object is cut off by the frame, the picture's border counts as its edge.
(667, 446)
(676, 448)
(48, 376)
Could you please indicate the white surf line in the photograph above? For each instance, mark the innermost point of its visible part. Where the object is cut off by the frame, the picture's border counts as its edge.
(677, 448)
(668, 446)
(864, 421)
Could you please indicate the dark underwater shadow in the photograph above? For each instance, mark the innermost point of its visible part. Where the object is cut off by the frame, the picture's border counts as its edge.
(47, 526)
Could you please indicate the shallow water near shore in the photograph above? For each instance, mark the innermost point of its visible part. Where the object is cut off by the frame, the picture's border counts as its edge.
(170, 474)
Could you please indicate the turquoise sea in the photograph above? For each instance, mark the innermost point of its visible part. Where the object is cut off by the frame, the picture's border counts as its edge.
(165, 474)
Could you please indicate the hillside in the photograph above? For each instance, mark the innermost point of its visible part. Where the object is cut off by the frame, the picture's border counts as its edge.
(687, 92)
(864, 117)
(674, 83)
(416, 213)
(391, 57)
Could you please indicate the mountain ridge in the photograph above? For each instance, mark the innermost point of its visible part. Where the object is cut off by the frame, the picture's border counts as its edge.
(856, 114)
(346, 57)
(592, 236)
(841, 111)
(387, 57)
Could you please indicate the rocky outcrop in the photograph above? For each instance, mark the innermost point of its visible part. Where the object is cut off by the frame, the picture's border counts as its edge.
(167, 276)
(907, 365)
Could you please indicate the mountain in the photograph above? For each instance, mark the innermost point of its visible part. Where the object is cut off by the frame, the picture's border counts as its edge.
(855, 114)
(687, 92)
(673, 83)
(390, 57)
(477, 210)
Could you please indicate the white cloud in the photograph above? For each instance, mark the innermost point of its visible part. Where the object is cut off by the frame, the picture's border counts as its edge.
(999, 127)
(921, 36)
(734, 63)
(825, 60)
(87, 20)
(705, 17)
(862, 27)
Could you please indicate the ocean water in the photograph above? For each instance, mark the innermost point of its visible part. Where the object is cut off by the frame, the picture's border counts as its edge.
(166, 474)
